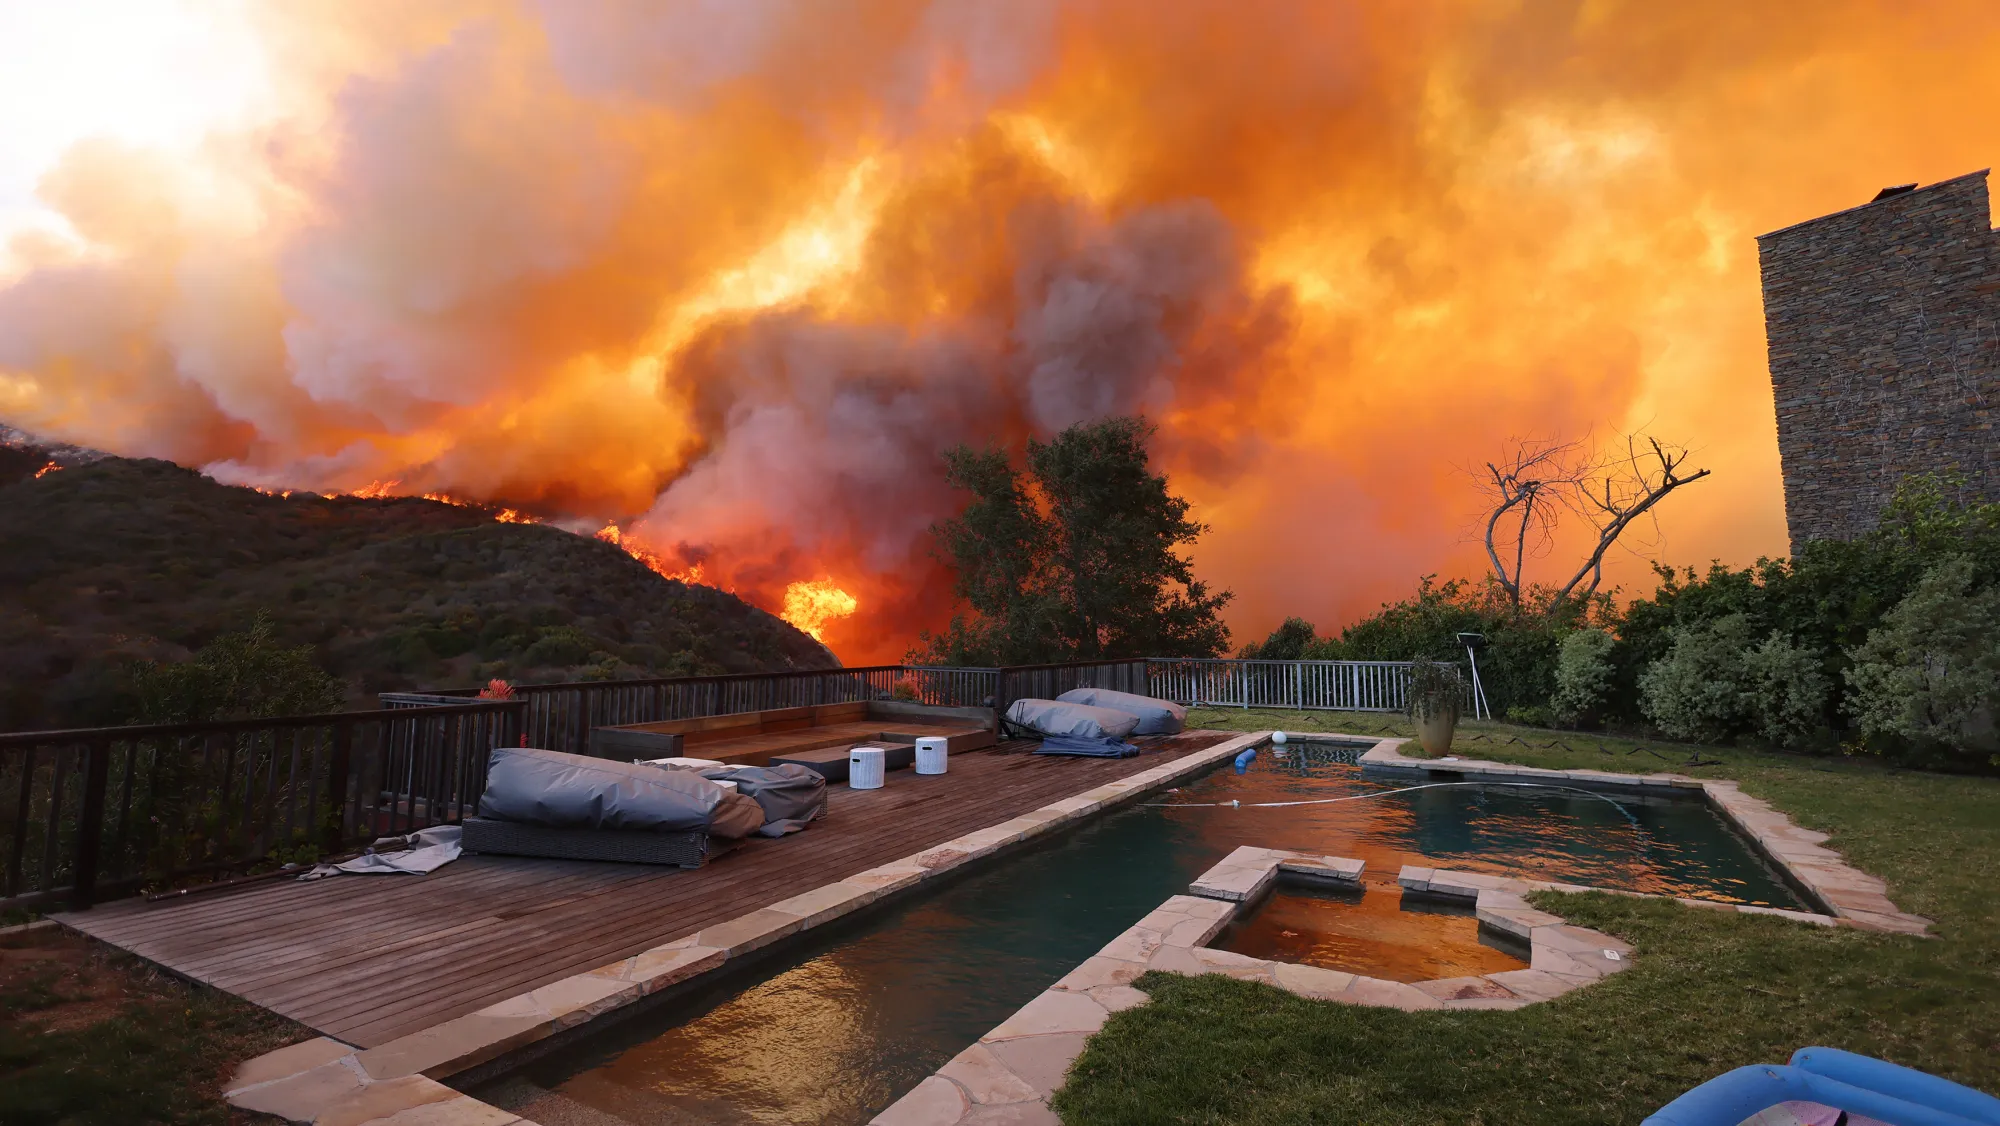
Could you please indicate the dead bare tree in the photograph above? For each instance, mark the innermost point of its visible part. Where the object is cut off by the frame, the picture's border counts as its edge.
(1529, 488)
(1532, 487)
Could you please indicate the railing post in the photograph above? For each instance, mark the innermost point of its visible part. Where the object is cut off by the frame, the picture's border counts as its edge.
(90, 825)
(338, 783)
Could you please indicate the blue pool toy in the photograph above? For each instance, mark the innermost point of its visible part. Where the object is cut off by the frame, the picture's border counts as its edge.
(1243, 760)
(1842, 1080)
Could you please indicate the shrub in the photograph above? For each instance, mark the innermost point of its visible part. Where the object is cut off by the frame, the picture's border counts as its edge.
(1585, 678)
(1715, 683)
(244, 675)
(1517, 667)
(1785, 691)
(1930, 674)
(559, 645)
(1695, 692)
(1289, 642)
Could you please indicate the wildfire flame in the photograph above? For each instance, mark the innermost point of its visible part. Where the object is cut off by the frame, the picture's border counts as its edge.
(45, 470)
(615, 536)
(812, 604)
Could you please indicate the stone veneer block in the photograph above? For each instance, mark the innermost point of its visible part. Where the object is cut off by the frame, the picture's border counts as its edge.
(1040, 1061)
(1098, 971)
(985, 1080)
(301, 1097)
(576, 999)
(1415, 878)
(447, 1048)
(1055, 1010)
(1340, 869)
(398, 1098)
(288, 1061)
(826, 902)
(1314, 982)
(741, 935)
(936, 1101)
(1467, 989)
(662, 966)
(1387, 994)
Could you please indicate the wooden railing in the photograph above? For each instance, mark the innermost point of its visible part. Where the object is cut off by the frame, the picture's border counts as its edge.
(560, 716)
(93, 812)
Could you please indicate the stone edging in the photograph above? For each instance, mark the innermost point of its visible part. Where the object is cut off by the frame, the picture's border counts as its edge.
(329, 1083)
(1848, 894)
(1012, 1072)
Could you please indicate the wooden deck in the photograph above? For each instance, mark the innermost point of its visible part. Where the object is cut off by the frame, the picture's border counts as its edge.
(366, 959)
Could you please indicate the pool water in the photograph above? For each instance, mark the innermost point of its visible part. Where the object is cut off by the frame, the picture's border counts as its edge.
(840, 1025)
(1383, 934)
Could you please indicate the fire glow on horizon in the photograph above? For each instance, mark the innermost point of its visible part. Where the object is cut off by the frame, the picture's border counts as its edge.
(725, 280)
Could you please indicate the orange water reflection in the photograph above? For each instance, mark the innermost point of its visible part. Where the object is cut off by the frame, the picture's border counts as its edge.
(1381, 934)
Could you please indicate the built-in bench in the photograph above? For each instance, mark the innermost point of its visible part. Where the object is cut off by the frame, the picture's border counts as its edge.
(754, 738)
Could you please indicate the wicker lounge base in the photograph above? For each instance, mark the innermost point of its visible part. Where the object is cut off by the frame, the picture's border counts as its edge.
(508, 838)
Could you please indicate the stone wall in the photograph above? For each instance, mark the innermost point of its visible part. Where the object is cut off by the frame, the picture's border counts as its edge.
(1884, 330)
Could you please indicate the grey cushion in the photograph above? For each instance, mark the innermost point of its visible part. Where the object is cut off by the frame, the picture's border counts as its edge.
(1079, 721)
(565, 791)
(1156, 716)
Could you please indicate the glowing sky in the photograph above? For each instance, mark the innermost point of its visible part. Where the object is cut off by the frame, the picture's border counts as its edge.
(732, 274)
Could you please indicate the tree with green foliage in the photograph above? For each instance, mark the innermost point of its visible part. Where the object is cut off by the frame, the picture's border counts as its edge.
(1074, 557)
(1585, 677)
(1719, 680)
(1930, 674)
(1291, 641)
(246, 675)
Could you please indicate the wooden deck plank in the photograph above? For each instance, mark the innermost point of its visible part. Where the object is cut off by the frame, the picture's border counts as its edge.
(368, 959)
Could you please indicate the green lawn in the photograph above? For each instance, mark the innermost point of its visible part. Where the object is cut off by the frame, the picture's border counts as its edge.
(90, 1037)
(1707, 991)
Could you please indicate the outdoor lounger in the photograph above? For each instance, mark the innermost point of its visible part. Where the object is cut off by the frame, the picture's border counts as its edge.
(1074, 729)
(551, 804)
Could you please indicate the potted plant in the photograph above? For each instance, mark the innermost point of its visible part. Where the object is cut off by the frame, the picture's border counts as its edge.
(1436, 690)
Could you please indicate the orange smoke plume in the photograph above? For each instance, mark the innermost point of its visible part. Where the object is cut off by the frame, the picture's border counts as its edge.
(731, 277)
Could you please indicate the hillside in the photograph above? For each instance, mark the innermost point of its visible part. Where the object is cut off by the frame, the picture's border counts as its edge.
(117, 560)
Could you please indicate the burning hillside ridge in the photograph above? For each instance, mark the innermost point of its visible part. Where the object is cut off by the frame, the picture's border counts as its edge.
(808, 604)
(731, 277)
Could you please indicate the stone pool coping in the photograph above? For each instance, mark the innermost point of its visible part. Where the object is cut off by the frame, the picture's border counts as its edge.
(325, 1082)
(1010, 1074)
(1850, 895)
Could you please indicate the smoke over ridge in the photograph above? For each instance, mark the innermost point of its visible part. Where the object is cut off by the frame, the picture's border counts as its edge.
(733, 274)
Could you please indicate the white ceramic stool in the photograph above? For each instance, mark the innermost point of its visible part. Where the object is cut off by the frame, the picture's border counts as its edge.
(865, 768)
(931, 754)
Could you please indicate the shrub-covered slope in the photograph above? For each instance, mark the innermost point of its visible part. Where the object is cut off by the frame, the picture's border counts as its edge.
(119, 560)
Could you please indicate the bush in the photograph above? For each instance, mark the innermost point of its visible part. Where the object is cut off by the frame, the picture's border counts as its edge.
(1715, 683)
(1930, 674)
(1518, 666)
(1585, 678)
(1695, 692)
(244, 675)
(1784, 690)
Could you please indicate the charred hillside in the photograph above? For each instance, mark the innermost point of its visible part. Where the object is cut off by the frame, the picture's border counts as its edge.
(107, 563)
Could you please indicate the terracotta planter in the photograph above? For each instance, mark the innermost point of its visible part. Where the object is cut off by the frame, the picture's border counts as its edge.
(1434, 732)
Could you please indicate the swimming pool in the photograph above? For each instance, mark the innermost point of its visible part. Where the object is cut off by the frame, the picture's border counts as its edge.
(838, 1026)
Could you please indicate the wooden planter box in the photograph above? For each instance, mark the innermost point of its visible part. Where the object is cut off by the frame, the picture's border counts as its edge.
(752, 738)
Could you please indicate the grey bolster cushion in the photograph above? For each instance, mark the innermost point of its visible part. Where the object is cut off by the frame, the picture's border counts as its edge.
(1156, 716)
(1077, 721)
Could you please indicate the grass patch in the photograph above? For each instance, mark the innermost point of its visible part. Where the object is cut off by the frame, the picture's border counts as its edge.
(90, 1037)
(1706, 992)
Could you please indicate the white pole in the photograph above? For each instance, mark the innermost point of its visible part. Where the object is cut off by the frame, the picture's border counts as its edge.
(1478, 694)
